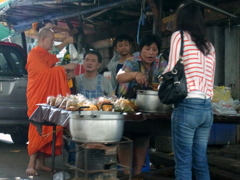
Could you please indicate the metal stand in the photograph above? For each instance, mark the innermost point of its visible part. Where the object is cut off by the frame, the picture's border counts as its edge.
(53, 150)
(86, 170)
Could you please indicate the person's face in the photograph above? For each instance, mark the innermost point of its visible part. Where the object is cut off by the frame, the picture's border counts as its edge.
(49, 25)
(48, 41)
(149, 53)
(91, 63)
(123, 48)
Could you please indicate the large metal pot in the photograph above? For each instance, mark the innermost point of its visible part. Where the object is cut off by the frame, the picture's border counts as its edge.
(96, 126)
(148, 101)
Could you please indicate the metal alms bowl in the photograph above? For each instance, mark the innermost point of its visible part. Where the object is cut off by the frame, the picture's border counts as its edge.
(148, 101)
(96, 126)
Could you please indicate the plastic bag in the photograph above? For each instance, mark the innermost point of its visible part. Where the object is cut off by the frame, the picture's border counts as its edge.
(220, 93)
(59, 176)
(223, 107)
(222, 102)
(73, 52)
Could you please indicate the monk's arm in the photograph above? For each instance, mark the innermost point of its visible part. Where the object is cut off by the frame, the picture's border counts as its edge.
(70, 66)
(70, 74)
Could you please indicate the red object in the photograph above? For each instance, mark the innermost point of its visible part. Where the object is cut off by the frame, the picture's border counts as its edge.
(79, 69)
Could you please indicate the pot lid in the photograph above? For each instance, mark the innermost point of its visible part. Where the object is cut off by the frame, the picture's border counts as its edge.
(97, 115)
(147, 92)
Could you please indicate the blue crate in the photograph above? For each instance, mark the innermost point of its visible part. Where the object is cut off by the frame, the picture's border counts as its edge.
(222, 134)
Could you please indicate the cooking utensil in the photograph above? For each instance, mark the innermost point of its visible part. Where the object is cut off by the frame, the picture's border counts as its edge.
(96, 126)
(148, 101)
(153, 86)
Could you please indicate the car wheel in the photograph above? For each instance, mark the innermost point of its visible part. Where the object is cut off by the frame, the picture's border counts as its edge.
(19, 138)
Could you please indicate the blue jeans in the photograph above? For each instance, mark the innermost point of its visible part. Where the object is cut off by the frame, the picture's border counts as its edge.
(71, 149)
(192, 119)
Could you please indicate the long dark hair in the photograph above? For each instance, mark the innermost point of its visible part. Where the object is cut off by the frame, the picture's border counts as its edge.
(189, 17)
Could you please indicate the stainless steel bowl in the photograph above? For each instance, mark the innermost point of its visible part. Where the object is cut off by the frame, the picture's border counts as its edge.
(96, 126)
(148, 101)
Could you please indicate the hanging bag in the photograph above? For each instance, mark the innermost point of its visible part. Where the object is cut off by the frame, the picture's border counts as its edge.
(173, 86)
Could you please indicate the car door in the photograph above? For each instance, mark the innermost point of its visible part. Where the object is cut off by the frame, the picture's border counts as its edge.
(13, 84)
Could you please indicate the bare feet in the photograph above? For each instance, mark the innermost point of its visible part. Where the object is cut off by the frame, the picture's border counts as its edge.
(43, 168)
(31, 172)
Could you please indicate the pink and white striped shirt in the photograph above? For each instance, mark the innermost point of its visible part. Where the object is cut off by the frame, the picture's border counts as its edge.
(199, 69)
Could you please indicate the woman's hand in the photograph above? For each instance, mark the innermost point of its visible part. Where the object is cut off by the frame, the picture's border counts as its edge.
(69, 40)
(141, 78)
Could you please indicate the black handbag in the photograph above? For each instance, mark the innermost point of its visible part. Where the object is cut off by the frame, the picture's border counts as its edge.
(173, 86)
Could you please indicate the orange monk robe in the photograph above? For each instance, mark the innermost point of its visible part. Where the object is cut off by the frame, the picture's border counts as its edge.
(44, 79)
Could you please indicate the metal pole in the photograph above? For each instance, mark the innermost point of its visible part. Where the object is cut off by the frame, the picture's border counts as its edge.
(215, 8)
(24, 43)
(160, 12)
(53, 150)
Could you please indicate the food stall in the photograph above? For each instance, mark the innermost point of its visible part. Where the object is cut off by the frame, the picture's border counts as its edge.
(103, 120)
(96, 128)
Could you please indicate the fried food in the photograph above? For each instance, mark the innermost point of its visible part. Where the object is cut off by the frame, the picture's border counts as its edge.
(92, 107)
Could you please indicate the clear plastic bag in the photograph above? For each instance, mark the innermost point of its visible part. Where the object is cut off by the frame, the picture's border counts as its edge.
(223, 107)
(59, 176)
(222, 102)
(73, 52)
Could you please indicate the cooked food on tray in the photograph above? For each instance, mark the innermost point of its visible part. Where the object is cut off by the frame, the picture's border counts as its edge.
(80, 102)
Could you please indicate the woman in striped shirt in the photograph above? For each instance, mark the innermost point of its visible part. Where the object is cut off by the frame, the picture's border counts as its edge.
(192, 117)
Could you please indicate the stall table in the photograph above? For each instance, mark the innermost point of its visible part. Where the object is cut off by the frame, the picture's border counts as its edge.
(51, 116)
(227, 119)
(152, 123)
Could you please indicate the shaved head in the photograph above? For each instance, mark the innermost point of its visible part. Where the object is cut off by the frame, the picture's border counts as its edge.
(45, 32)
(46, 38)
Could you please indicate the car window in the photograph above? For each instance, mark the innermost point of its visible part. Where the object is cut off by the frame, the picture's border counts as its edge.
(11, 62)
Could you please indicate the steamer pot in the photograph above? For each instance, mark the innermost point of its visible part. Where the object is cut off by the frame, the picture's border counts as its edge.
(96, 126)
(148, 101)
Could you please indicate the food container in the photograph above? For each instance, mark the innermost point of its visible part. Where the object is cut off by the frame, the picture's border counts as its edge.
(96, 126)
(148, 101)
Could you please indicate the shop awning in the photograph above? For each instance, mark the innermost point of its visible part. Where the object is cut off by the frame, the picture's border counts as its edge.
(4, 32)
(3, 3)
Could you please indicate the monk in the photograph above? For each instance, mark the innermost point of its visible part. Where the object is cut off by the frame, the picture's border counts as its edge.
(44, 79)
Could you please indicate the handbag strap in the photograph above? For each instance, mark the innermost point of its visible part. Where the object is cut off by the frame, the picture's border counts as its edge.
(182, 42)
(180, 59)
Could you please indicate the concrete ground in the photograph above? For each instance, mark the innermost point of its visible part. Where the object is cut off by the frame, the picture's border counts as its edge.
(14, 160)
(224, 163)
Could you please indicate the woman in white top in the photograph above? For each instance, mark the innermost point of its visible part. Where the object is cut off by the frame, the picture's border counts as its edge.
(192, 117)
